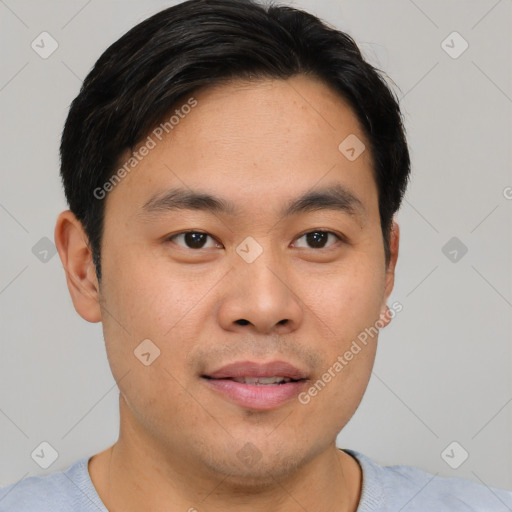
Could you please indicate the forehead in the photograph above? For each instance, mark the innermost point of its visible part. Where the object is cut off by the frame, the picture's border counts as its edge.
(250, 142)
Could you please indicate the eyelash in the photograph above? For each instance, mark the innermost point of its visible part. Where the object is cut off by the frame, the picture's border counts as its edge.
(339, 237)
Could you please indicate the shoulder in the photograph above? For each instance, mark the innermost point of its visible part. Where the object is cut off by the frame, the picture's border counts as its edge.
(60, 491)
(410, 489)
(447, 493)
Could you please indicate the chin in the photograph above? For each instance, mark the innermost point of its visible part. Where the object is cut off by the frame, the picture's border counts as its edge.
(250, 469)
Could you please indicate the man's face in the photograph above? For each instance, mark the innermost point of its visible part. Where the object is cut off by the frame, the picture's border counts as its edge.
(260, 282)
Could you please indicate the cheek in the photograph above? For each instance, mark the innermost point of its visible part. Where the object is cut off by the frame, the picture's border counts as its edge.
(148, 308)
(345, 308)
(144, 300)
(348, 300)
(148, 298)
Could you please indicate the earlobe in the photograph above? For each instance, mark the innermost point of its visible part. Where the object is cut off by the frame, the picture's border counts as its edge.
(76, 256)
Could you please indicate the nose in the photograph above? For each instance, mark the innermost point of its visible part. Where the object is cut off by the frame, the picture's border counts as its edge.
(261, 298)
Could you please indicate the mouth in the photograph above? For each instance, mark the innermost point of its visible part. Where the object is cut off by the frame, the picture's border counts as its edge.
(257, 386)
(263, 381)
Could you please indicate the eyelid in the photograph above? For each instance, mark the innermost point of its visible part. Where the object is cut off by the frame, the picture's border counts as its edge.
(341, 238)
(171, 237)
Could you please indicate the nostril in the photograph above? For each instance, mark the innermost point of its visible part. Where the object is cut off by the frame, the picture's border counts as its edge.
(282, 322)
(242, 321)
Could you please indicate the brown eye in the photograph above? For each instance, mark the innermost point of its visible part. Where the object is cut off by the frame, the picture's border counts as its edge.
(318, 239)
(194, 240)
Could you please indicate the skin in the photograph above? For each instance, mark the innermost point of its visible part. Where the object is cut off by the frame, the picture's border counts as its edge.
(259, 144)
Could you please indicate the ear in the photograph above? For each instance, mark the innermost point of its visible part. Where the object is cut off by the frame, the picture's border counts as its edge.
(394, 241)
(76, 256)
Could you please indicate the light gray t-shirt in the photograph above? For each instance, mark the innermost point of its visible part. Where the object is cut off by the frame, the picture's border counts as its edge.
(385, 489)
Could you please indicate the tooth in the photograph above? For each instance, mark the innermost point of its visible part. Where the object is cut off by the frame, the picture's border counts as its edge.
(261, 380)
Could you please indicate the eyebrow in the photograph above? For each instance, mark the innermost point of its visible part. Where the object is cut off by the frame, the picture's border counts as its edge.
(333, 197)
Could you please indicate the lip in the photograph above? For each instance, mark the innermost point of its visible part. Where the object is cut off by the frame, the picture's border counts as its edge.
(253, 369)
(253, 396)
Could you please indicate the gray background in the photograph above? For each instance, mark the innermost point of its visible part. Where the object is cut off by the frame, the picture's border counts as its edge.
(443, 369)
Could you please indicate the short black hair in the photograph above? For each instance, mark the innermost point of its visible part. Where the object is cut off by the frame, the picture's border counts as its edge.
(140, 78)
